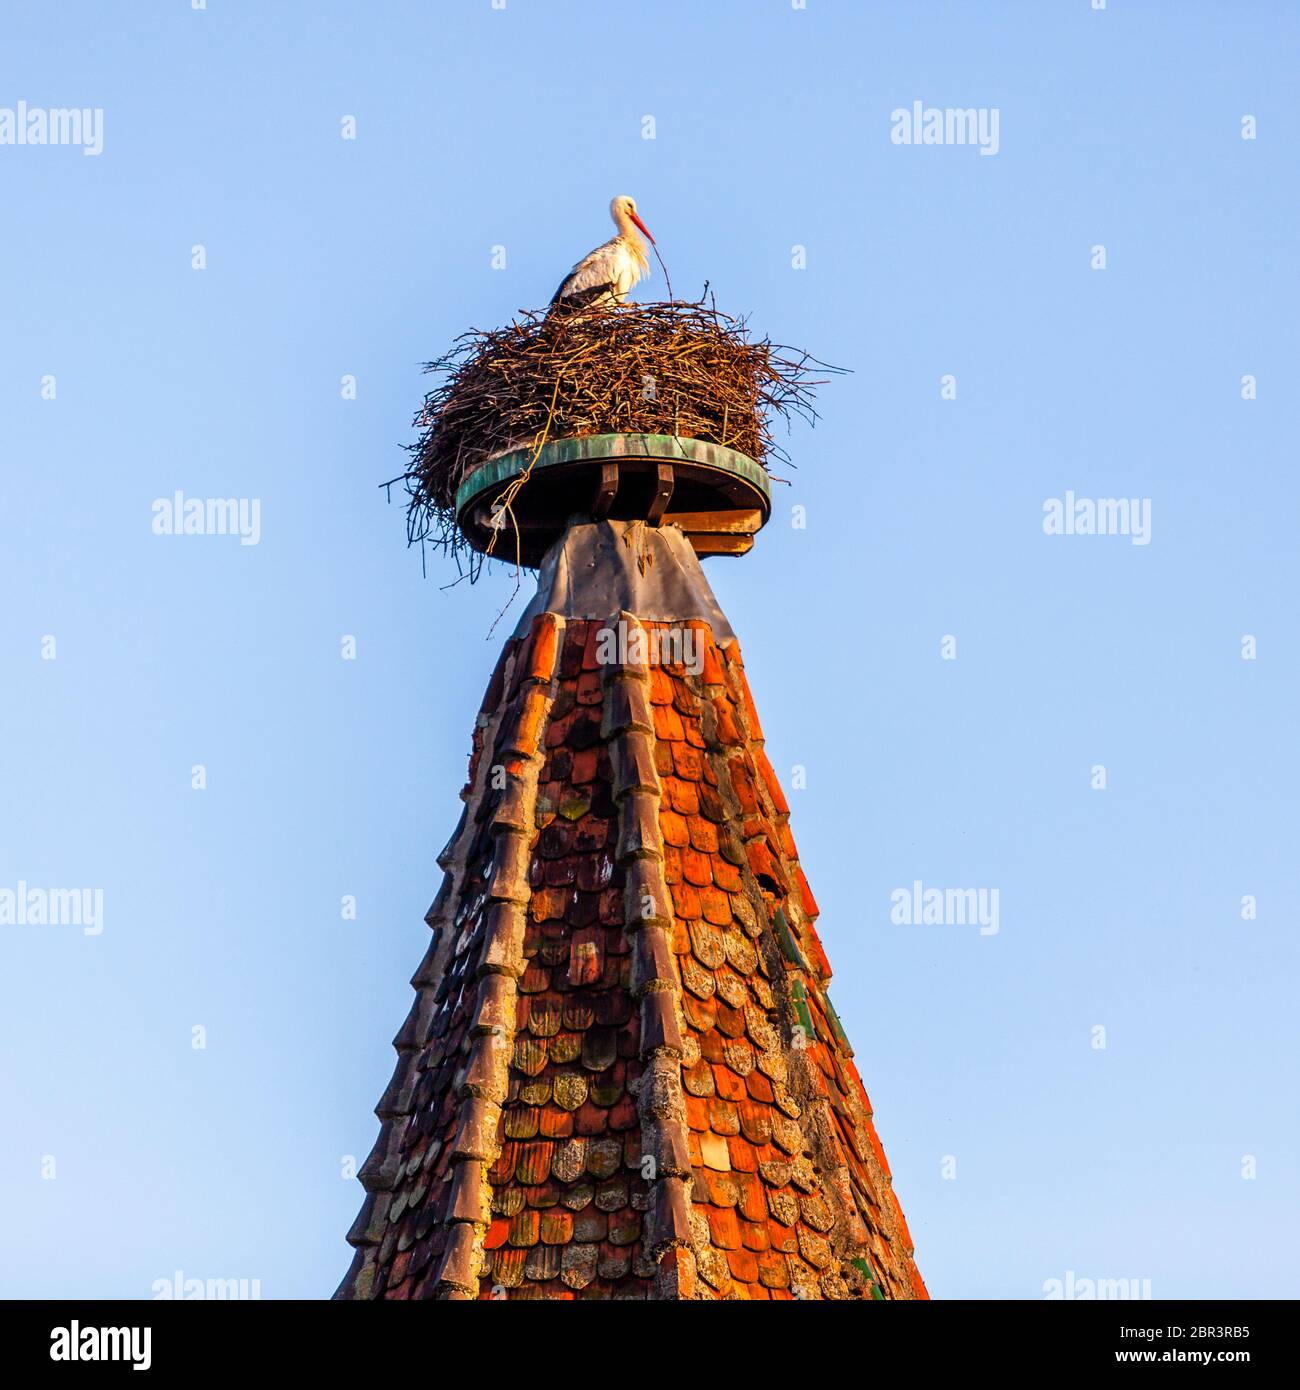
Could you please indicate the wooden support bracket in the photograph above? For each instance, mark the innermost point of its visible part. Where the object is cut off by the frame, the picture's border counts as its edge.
(664, 482)
(606, 491)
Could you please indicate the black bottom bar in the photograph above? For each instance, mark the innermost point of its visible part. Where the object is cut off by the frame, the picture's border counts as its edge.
(381, 1339)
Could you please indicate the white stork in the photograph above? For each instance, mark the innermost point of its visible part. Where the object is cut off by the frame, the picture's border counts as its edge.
(605, 275)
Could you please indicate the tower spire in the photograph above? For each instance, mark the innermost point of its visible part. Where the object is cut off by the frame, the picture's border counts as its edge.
(623, 1076)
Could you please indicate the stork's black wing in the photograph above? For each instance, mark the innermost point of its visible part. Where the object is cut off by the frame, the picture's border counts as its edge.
(580, 299)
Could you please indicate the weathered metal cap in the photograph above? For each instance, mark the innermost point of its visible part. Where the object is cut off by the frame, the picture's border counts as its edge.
(603, 567)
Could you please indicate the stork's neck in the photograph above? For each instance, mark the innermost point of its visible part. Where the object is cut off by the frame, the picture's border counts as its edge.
(627, 230)
(628, 233)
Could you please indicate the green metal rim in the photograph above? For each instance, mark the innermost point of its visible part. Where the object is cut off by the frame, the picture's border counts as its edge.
(613, 446)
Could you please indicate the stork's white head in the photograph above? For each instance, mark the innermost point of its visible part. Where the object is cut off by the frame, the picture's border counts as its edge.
(623, 210)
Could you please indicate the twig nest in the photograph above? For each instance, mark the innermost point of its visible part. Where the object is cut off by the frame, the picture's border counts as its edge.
(680, 369)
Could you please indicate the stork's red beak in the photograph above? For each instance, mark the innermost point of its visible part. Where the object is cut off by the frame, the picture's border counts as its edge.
(642, 226)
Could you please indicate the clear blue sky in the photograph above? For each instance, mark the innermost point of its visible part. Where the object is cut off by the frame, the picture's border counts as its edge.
(325, 257)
